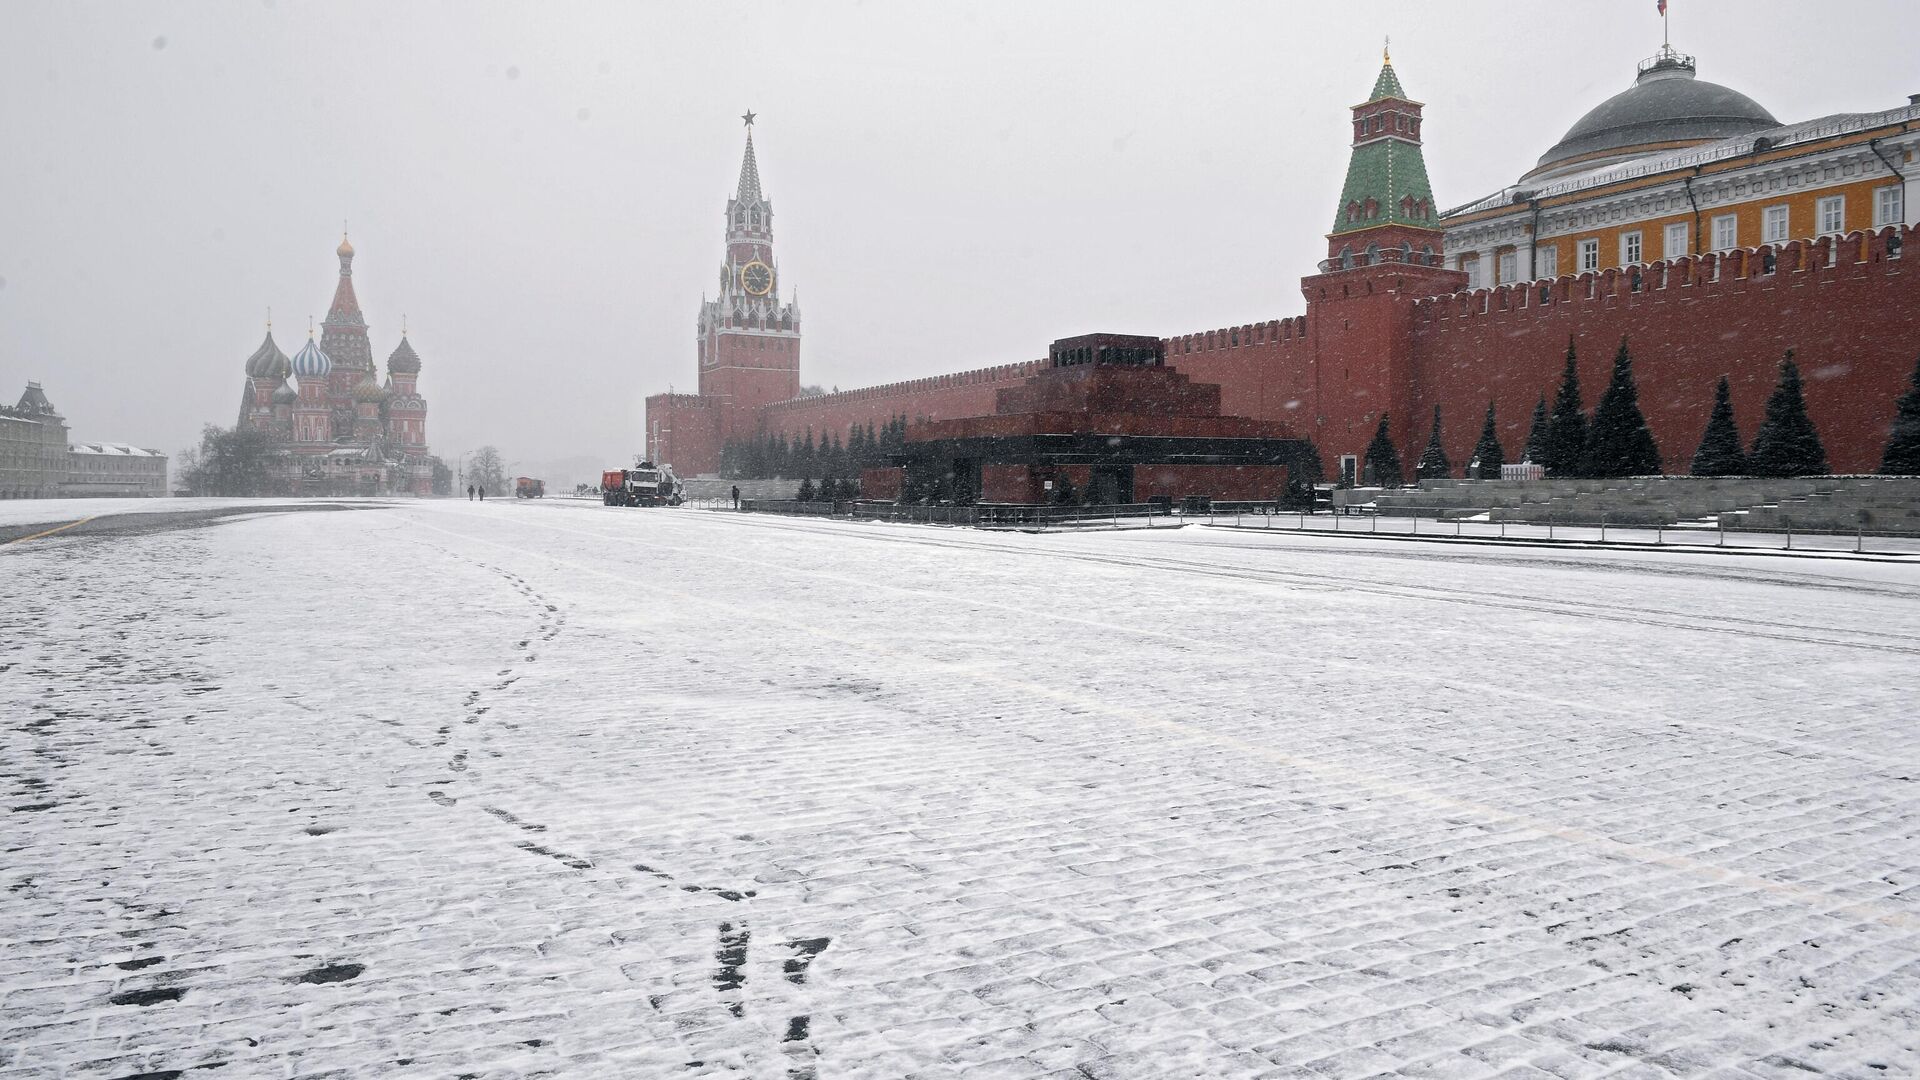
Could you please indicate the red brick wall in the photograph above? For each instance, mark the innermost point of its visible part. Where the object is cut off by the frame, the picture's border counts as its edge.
(941, 397)
(1264, 370)
(689, 432)
(885, 483)
(1853, 328)
(1218, 481)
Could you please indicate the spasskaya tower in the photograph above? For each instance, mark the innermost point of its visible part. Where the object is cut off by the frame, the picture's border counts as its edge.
(749, 341)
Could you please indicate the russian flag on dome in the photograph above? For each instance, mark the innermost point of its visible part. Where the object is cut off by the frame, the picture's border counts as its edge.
(1663, 6)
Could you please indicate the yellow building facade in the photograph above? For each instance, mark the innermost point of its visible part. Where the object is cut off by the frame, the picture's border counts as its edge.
(1676, 166)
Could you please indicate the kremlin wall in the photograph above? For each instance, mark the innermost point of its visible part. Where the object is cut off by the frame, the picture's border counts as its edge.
(1392, 325)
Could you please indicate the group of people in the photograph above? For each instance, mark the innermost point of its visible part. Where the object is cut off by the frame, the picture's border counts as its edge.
(470, 490)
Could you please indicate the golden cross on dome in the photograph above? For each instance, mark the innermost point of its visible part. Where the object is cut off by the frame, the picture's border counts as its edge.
(1386, 51)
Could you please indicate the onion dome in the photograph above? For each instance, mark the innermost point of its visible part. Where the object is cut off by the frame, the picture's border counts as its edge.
(369, 389)
(404, 360)
(285, 395)
(1666, 108)
(310, 362)
(345, 250)
(268, 362)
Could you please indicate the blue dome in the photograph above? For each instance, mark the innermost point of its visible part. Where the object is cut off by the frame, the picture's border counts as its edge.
(311, 363)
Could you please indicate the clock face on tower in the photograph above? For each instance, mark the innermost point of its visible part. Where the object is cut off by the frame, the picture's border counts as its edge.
(757, 278)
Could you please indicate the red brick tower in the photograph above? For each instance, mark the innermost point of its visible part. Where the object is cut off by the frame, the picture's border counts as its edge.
(749, 342)
(1383, 253)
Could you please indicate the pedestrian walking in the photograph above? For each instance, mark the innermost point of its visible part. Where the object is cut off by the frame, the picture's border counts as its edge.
(483, 493)
(469, 492)
(736, 496)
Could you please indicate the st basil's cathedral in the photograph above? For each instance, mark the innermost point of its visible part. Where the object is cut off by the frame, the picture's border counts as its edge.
(340, 428)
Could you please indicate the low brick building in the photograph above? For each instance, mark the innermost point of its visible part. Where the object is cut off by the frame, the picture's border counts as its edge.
(1105, 422)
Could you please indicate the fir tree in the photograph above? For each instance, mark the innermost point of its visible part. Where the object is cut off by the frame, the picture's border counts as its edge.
(806, 490)
(1383, 461)
(1618, 442)
(1536, 450)
(805, 456)
(1433, 464)
(1566, 441)
(1720, 453)
(1903, 442)
(1488, 450)
(1787, 444)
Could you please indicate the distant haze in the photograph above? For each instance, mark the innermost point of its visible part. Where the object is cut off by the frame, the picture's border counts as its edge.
(538, 187)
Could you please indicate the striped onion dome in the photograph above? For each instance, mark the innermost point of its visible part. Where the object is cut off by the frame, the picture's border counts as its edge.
(268, 362)
(404, 360)
(285, 395)
(310, 362)
(369, 389)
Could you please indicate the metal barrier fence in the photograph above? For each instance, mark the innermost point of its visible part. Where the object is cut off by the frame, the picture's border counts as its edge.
(1583, 530)
(990, 516)
(1568, 529)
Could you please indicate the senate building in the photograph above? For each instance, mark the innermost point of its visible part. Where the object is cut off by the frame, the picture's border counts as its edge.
(1680, 214)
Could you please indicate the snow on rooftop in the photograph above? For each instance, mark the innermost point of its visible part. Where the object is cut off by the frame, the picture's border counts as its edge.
(562, 789)
(113, 450)
(1737, 146)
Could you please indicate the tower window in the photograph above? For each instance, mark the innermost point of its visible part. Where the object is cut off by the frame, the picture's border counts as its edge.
(1589, 256)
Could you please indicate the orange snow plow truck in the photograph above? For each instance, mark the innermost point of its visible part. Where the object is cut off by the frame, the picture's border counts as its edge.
(646, 484)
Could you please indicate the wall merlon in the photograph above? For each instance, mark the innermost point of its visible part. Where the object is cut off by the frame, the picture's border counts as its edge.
(1862, 256)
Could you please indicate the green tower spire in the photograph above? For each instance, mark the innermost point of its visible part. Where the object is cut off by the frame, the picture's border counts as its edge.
(1387, 175)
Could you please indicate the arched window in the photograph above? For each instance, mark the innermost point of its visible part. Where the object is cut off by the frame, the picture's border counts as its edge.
(756, 216)
(1346, 257)
(1373, 254)
(739, 217)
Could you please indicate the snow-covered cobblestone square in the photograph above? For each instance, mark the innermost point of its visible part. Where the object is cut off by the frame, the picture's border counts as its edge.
(515, 789)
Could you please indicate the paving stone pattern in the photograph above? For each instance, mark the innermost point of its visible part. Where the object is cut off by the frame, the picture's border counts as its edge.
(519, 789)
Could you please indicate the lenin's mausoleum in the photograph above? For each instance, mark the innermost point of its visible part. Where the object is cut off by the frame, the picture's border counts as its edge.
(1679, 214)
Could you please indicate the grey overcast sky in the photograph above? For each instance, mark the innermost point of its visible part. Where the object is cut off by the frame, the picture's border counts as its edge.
(539, 186)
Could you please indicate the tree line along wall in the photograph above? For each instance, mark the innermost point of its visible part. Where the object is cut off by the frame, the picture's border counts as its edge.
(1848, 307)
